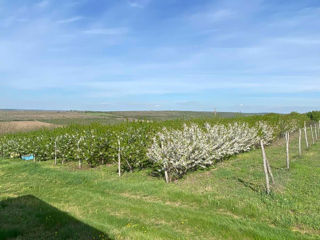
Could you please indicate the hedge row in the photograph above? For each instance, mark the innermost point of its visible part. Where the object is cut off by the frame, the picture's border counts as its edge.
(99, 144)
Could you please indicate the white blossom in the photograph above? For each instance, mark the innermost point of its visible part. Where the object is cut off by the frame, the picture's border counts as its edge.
(178, 151)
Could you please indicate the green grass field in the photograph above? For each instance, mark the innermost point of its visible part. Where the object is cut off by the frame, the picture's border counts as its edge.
(42, 201)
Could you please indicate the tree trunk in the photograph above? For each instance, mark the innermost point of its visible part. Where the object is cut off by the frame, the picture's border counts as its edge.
(300, 135)
(55, 152)
(166, 176)
(119, 158)
(312, 134)
(80, 160)
(265, 168)
(130, 167)
(287, 148)
(306, 135)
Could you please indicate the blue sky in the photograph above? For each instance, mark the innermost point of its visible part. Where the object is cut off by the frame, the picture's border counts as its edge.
(233, 55)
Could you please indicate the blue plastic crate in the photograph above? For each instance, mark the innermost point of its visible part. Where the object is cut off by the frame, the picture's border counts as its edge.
(27, 157)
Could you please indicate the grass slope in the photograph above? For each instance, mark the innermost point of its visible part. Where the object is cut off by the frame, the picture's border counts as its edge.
(226, 202)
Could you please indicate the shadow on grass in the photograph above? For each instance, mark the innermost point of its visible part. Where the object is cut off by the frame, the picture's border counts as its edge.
(28, 217)
(252, 186)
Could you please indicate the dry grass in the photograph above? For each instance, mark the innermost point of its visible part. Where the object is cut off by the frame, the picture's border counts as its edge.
(23, 126)
(32, 115)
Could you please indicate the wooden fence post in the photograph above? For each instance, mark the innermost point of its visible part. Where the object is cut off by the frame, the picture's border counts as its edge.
(269, 169)
(316, 131)
(306, 134)
(287, 149)
(265, 168)
(311, 129)
(300, 135)
(119, 158)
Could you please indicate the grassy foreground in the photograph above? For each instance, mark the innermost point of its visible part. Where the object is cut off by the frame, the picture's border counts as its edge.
(42, 201)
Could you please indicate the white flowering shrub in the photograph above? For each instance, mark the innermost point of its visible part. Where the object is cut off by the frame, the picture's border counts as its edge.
(178, 151)
(267, 133)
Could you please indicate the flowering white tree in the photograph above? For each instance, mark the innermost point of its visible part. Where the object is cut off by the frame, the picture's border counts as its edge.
(266, 132)
(178, 151)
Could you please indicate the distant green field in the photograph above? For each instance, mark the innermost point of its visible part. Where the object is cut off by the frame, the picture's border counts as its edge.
(42, 201)
(170, 115)
(88, 117)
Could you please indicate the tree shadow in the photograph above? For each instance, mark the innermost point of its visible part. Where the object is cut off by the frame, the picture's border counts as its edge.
(252, 186)
(28, 217)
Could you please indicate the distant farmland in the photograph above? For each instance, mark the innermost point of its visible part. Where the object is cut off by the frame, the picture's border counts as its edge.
(23, 126)
(88, 117)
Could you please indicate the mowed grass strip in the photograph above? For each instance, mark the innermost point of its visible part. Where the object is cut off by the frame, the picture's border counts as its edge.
(224, 202)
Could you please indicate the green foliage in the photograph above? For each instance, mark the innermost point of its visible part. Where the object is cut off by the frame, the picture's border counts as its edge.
(97, 144)
(314, 115)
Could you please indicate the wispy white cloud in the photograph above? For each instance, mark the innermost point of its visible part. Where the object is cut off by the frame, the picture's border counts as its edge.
(22, 20)
(106, 31)
(138, 3)
(220, 15)
(135, 5)
(43, 4)
(70, 20)
(18, 16)
(211, 16)
(299, 40)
